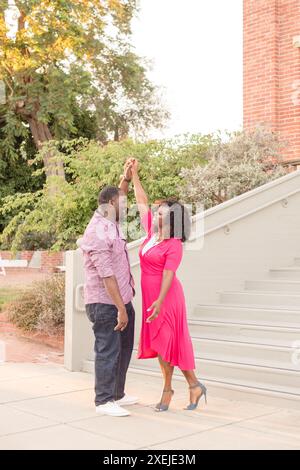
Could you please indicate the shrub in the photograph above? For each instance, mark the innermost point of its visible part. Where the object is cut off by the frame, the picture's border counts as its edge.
(40, 307)
(246, 160)
(206, 169)
(58, 219)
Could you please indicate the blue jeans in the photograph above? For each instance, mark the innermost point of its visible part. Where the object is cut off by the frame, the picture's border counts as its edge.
(113, 350)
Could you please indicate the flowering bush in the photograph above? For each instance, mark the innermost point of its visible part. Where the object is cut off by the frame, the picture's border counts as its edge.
(247, 160)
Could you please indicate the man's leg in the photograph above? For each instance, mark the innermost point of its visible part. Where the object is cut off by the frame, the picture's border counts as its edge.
(107, 350)
(127, 340)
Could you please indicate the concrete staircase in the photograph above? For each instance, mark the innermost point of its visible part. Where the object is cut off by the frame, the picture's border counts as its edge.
(245, 345)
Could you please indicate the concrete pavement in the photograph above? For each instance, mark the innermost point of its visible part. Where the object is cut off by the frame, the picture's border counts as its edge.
(44, 406)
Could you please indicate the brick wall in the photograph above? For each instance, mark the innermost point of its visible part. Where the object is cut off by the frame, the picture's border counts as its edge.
(271, 92)
(6, 255)
(50, 260)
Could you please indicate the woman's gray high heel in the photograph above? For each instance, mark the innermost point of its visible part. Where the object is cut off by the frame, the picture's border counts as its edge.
(160, 406)
(193, 406)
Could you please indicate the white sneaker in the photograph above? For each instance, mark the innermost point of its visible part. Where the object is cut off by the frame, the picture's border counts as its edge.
(111, 408)
(127, 400)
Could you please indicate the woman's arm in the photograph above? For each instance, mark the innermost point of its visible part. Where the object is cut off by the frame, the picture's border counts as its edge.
(139, 192)
(167, 279)
(173, 259)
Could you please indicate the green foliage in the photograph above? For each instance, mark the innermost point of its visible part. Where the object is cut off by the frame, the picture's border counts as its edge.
(56, 220)
(194, 168)
(7, 295)
(12, 131)
(16, 172)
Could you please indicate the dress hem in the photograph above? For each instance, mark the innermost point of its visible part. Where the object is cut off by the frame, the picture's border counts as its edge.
(156, 354)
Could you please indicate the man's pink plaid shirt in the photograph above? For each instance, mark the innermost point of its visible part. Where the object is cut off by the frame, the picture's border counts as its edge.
(105, 254)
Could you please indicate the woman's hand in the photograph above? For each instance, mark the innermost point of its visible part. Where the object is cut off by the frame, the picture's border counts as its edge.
(135, 166)
(128, 169)
(156, 309)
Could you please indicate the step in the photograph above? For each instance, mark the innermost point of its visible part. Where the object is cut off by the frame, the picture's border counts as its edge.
(266, 378)
(235, 313)
(222, 389)
(257, 334)
(276, 285)
(256, 298)
(290, 272)
(239, 374)
(233, 392)
(245, 353)
(242, 353)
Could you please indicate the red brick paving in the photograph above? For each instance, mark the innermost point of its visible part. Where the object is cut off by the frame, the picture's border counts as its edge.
(21, 346)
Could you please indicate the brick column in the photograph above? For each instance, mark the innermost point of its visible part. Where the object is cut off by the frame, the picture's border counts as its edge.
(26, 255)
(271, 92)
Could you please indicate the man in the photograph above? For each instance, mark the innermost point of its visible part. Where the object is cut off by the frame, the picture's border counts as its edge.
(108, 291)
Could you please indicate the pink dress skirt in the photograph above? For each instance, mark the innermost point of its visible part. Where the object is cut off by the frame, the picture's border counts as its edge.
(167, 335)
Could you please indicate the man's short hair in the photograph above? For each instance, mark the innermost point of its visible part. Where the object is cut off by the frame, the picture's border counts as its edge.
(107, 194)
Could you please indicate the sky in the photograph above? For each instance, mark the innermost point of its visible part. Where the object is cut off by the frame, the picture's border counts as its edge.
(196, 50)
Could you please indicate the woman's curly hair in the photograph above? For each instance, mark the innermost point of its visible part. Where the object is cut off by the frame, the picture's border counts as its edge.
(180, 218)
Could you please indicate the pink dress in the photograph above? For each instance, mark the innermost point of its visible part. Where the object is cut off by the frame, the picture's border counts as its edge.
(167, 335)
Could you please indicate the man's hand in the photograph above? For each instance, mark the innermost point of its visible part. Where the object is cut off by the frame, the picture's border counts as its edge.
(128, 169)
(112, 288)
(156, 309)
(122, 320)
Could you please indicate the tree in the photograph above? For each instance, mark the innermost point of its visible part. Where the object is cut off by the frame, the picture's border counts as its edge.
(65, 60)
(16, 175)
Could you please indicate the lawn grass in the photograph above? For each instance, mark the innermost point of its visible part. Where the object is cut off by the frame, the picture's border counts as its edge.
(7, 294)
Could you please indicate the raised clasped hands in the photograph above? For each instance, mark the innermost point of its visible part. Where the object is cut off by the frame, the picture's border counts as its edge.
(130, 167)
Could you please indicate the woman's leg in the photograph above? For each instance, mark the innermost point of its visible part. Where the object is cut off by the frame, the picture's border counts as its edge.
(192, 380)
(167, 371)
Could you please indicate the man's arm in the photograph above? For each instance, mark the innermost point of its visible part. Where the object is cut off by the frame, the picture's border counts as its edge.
(126, 177)
(112, 288)
(101, 258)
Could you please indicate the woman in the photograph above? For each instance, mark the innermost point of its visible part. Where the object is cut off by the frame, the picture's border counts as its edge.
(164, 332)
